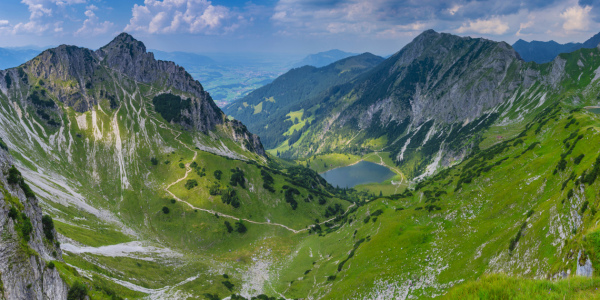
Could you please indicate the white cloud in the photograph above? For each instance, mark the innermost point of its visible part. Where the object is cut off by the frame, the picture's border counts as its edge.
(4, 23)
(576, 18)
(454, 9)
(490, 26)
(168, 16)
(92, 25)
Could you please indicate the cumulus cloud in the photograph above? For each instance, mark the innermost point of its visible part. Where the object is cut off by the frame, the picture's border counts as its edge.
(168, 16)
(576, 18)
(92, 25)
(490, 26)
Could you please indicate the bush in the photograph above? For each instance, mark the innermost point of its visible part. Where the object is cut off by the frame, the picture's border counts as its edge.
(191, 183)
(218, 174)
(181, 165)
(13, 213)
(51, 265)
(229, 230)
(584, 207)
(230, 197)
(240, 227)
(228, 284)
(165, 210)
(578, 159)
(78, 291)
(215, 189)
(237, 177)
(212, 296)
(48, 226)
(26, 227)
(154, 161)
(529, 213)
(3, 145)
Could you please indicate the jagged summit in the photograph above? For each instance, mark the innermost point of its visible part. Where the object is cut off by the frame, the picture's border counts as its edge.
(124, 43)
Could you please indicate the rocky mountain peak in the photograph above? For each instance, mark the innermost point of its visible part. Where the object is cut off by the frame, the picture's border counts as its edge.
(123, 45)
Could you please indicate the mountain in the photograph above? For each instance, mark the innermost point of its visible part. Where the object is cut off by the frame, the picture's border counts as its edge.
(421, 97)
(543, 52)
(183, 58)
(592, 42)
(155, 194)
(268, 108)
(322, 59)
(14, 57)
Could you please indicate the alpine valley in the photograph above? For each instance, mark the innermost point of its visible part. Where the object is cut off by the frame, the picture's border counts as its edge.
(121, 178)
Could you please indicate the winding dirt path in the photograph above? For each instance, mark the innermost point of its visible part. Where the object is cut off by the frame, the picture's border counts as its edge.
(187, 172)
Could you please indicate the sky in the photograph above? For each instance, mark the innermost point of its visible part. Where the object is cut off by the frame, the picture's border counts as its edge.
(289, 26)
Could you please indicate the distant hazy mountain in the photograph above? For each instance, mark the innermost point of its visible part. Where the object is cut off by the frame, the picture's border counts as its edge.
(12, 57)
(183, 58)
(542, 52)
(322, 59)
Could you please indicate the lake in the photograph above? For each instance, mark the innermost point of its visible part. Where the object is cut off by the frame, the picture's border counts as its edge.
(360, 173)
(593, 109)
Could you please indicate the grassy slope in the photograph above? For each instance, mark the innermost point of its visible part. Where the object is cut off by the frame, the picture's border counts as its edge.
(102, 206)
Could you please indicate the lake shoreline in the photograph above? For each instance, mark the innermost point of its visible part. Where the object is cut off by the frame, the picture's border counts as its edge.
(361, 172)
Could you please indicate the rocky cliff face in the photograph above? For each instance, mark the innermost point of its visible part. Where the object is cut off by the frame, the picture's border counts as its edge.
(25, 272)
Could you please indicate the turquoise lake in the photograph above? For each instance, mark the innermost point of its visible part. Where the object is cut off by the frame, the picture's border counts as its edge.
(360, 173)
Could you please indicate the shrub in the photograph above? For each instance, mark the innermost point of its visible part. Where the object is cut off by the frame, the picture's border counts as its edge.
(578, 159)
(529, 213)
(181, 165)
(215, 189)
(191, 183)
(212, 296)
(3, 145)
(218, 174)
(227, 284)
(13, 213)
(26, 227)
(237, 178)
(584, 207)
(165, 210)
(240, 227)
(78, 291)
(229, 230)
(51, 265)
(154, 161)
(48, 226)
(366, 220)
(230, 197)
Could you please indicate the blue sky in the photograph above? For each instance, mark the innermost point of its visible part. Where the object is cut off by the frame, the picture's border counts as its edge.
(289, 26)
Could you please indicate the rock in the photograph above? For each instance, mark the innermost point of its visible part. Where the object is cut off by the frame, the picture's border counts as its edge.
(584, 266)
(24, 273)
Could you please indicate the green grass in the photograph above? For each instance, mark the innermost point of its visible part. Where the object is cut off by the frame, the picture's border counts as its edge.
(499, 286)
(95, 238)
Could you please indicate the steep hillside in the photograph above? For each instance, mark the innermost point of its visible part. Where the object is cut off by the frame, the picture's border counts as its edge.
(29, 246)
(267, 110)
